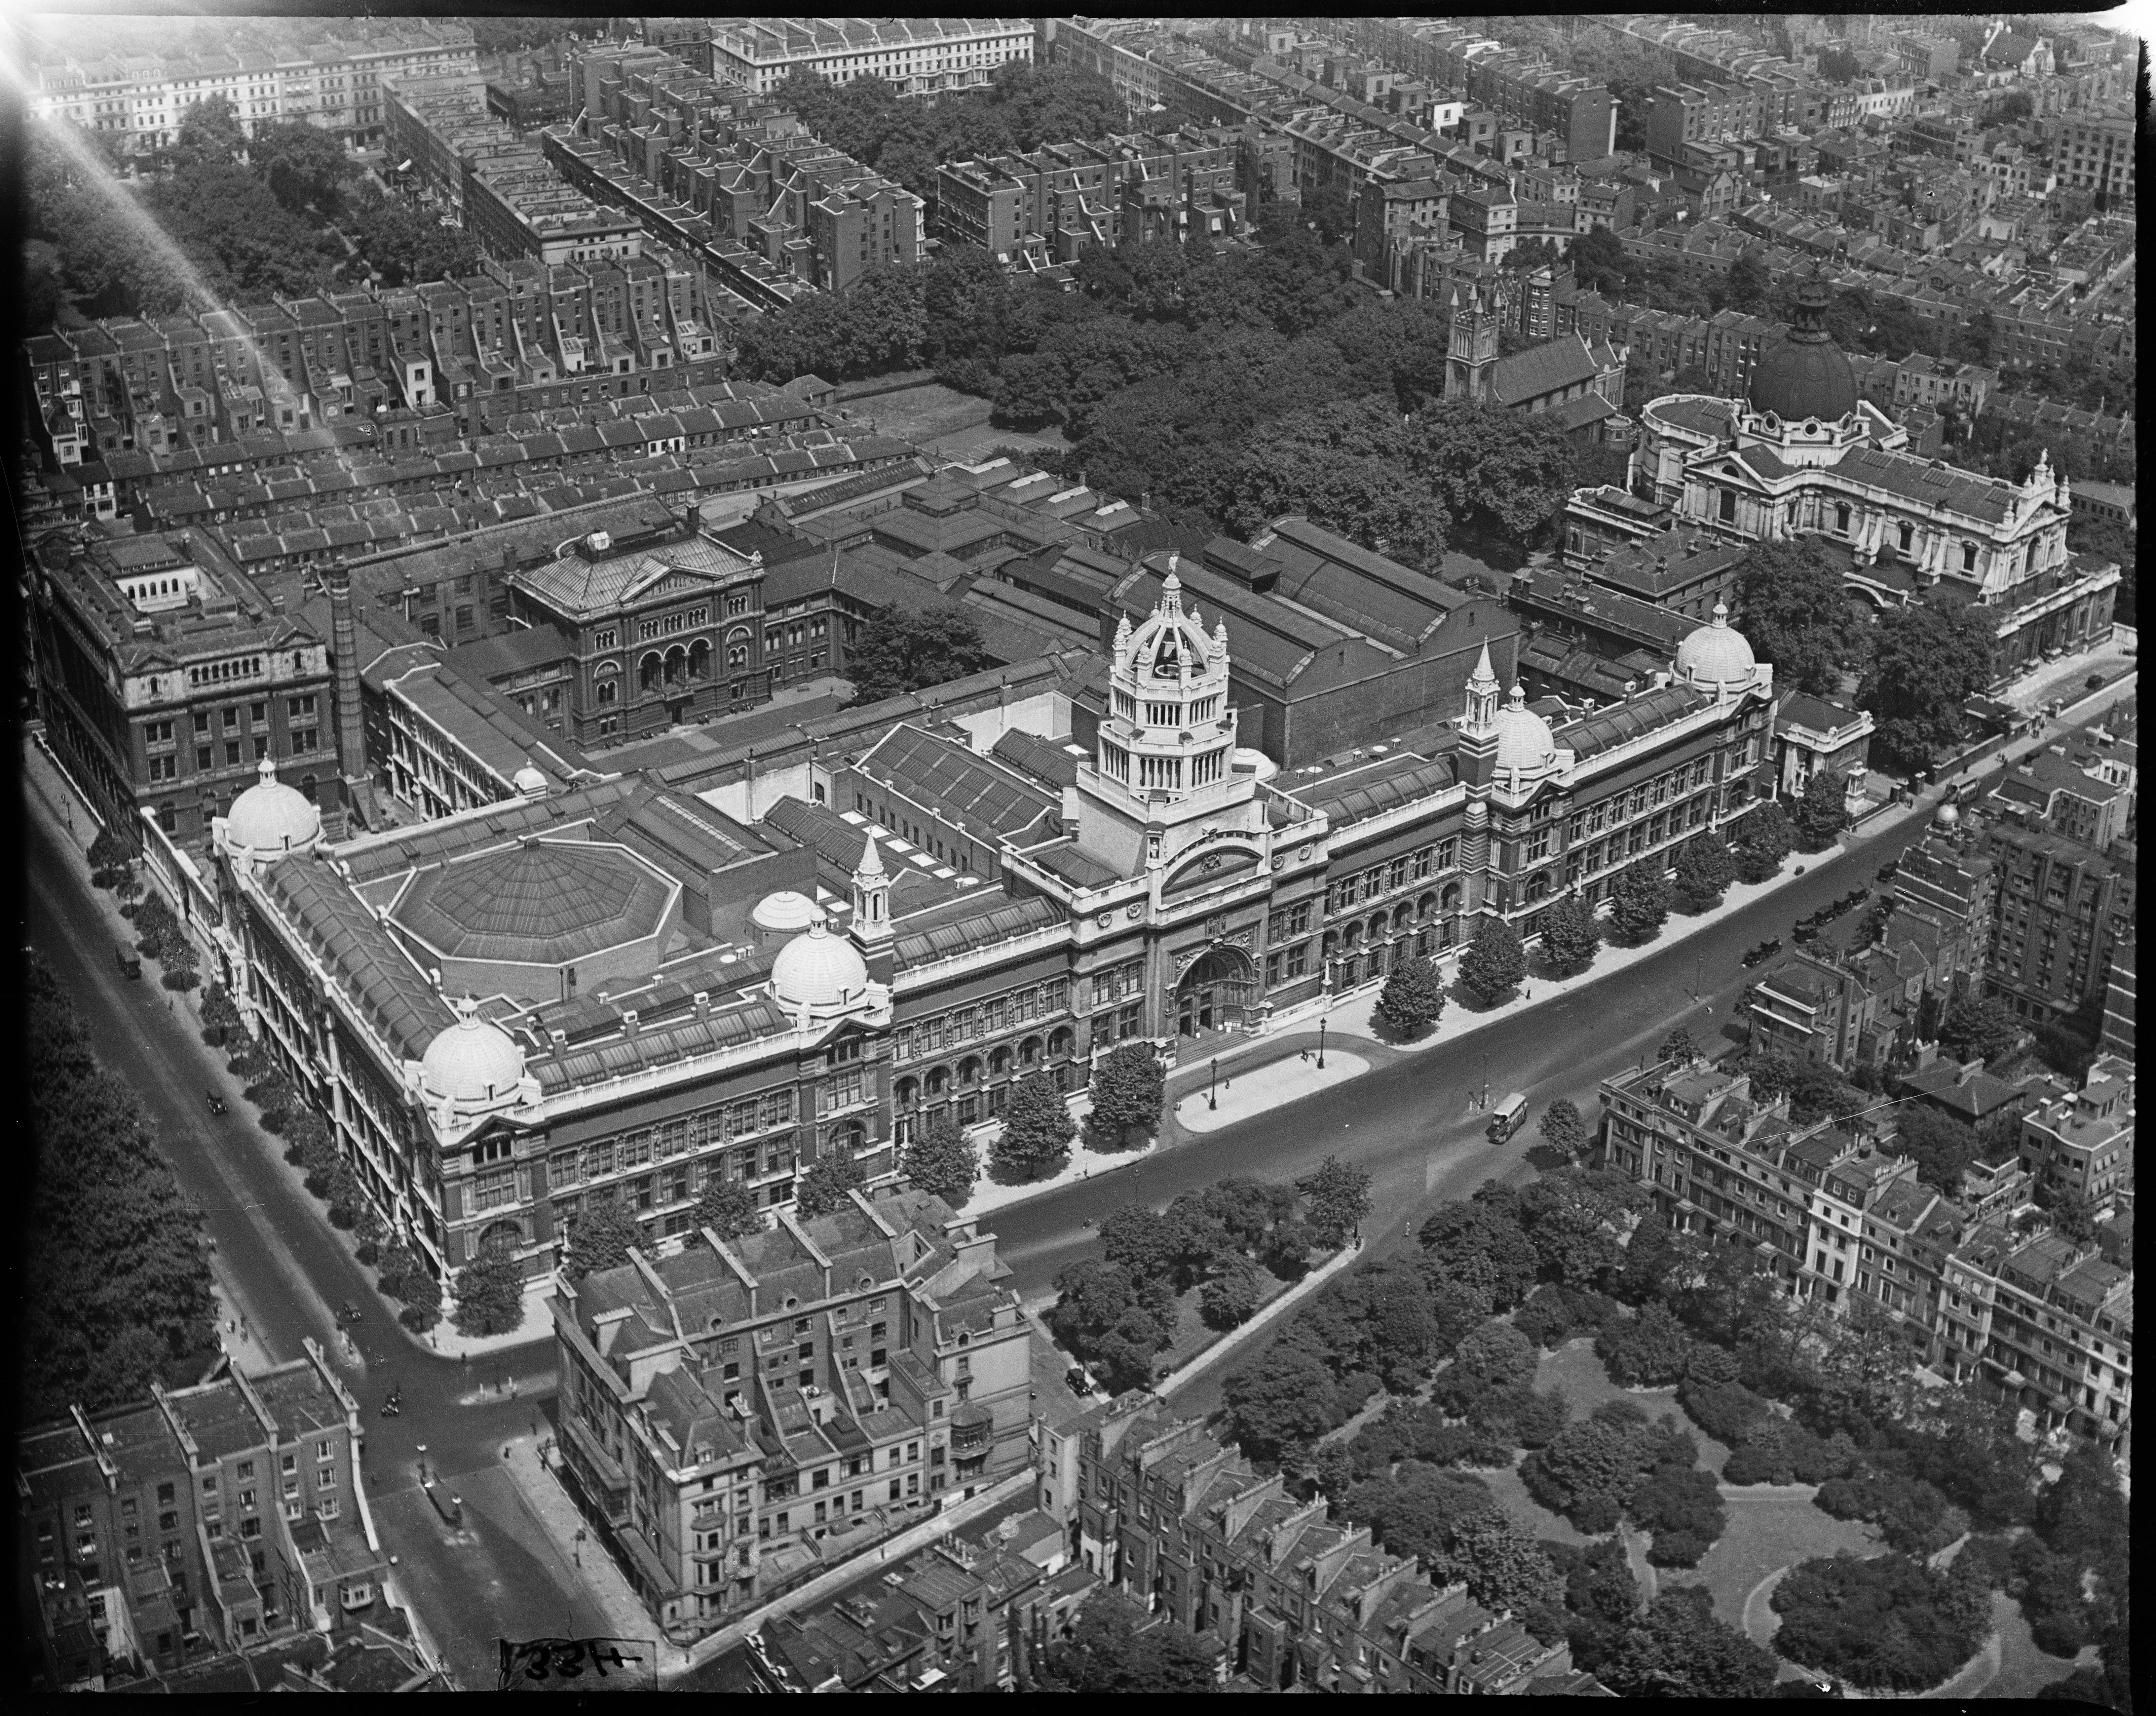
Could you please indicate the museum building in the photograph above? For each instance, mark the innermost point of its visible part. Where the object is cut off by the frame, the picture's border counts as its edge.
(615, 991)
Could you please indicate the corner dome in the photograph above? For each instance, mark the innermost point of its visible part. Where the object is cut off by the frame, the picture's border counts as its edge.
(786, 912)
(1804, 375)
(818, 969)
(531, 782)
(1716, 655)
(272, 817)
(472, 1061)
(1524, 739)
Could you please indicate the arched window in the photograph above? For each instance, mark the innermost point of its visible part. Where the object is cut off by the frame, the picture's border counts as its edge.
(1426, 906)
(1062, 1040)
(907, 1093)
(677, 665)
(1452, 899)
(999, 1063)
(699, 660)
(969, 1070)
(1350, 934)
(1377, 925)
(649, 671)
(1539, 885)
(1332, 943)
(1028, 1052)
(1403, 915)
(501, 1237)
(847, 1139)
(939, 1081)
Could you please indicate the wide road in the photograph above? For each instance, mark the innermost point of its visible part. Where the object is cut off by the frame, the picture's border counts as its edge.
(499, 1575)
(1409, 1124)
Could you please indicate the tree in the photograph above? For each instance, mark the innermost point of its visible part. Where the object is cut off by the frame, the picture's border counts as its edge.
(1678, 1649)
(1639, 903)
(898, 651)
(1478, 1246)
(1348, 465)
(1142, 1241)
(238, 237)
(209, 134)
(1129, 1090)
(1115, 1649)
(491, 1294)
(406, 247)
(1823, 812)
(1765, 839)
(1599, 263)
(1649, 1351)
(1682, 1507)
(1928, 662)
(110, 857)
(1494, 963)
(1507, 473)
(1704, 871)
(941, 1159)
(1338, 1198)
(600, 1238)
(305, 167)
(113, 1287)
(1570, 934)
(1413, 997)
(727, 1207)
(1035, 1139)
(220, 1015)
(1745, 286)
(1679, 1046)
(1563, 1129)
(1287, 1396)
(1501, 1565)
(1115, 1323)
(1491, 1358)
(1889, 1621)
(824, 1187)
(1980, 1027)
(1231, 1297)
(422, 1295)
(1940, 1145)
(1794, 607)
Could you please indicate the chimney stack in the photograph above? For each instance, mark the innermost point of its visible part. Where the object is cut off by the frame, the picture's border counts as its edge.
(344, 649)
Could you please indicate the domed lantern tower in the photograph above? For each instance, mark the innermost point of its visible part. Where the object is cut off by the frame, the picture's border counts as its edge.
(1163, 771)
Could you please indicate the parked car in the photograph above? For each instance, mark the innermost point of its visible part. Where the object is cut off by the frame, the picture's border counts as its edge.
(2094, 682)
(1805, 931)
(1765, 950)
(1076, 1380)
(130, 962)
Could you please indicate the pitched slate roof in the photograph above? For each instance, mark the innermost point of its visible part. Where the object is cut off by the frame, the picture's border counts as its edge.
(1548, 368)
(951, 780)
(579, 587)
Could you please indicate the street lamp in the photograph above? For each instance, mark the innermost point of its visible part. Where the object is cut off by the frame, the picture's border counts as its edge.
(1486, 1078)
(1698, 968)
(423, 1463)
(1320, 1042)
(1211, 1101)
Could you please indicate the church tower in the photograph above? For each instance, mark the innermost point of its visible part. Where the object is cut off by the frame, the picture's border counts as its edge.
(1477, 763)
(1470, 346)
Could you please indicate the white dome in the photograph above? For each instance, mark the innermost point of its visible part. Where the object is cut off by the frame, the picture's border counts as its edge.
(818, 969)
(1947, 816)
(1716, 655)
(786, 911)
(530, 781)
(272, 817)
(471, 1061)
(1524, 739)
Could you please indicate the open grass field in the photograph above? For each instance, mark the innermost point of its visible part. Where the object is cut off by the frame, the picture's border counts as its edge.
(944, 421)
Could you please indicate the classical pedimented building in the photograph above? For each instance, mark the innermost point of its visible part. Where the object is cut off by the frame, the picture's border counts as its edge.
(1803, 455)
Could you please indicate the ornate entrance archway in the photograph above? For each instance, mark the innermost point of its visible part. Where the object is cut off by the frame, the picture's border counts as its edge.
(1214, 993)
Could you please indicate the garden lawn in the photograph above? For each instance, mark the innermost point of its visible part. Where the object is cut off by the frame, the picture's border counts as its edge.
(956, 423)
(2024, 1671)
(1194, 1334)
(1767, 1531)
(1577, 1369)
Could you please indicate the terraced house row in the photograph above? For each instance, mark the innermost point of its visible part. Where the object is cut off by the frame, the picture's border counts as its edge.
(730, 178)
(393, 368)
(2027, 1314)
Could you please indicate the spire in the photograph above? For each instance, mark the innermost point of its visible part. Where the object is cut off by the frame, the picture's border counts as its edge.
(872, 862)
(1484, 674)
(1482, 698)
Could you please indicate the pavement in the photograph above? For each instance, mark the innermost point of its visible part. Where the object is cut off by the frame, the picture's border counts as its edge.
(281, 1272)
(1252, 1091)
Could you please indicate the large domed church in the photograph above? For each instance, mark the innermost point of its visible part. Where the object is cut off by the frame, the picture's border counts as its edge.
(1803, 454)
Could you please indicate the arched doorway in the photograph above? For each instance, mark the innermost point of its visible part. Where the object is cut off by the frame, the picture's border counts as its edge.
(1213, 994)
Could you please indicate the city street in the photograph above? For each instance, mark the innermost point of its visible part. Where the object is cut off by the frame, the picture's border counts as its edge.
(495, 1577)
(1409, 1124)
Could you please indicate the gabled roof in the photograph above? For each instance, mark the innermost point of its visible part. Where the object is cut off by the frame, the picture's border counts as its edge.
(1548, 368)
(951, 781)
(582, 588)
